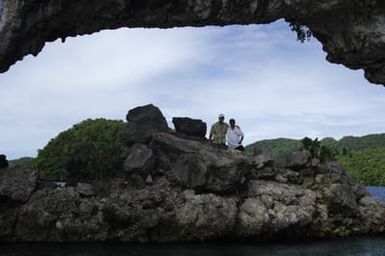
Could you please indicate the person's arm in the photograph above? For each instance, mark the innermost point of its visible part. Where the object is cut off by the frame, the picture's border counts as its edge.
(242, 136)
(211, 133)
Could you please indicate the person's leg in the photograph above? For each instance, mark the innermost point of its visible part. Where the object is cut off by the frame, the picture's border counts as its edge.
(240, 148)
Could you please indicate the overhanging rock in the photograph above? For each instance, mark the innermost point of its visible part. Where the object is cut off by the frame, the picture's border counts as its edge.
(351, 31)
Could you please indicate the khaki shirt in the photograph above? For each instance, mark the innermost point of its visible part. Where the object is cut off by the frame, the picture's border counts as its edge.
(218, 131)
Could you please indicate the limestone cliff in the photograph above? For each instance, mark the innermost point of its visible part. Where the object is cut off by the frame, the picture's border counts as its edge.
(194, 192)
(351, 31)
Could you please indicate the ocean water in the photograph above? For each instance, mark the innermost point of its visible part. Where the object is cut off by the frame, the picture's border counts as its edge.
(357, 246)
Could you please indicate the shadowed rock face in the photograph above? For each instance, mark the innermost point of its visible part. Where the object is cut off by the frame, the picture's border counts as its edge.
(351, 31)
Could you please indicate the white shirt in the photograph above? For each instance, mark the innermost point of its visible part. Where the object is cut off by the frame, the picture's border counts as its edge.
(233, 136)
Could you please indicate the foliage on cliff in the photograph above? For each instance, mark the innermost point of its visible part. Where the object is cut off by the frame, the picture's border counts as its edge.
(362, 157)
(89, 150)
(366, 166)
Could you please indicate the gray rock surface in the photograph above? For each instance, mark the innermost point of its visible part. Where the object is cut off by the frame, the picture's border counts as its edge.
(17, 184)
(140, 160)
(143, 122)
(190, 127)
(85, 189)
(351, 31)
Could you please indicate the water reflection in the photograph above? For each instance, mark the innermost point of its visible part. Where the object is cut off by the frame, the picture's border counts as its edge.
(362, 246)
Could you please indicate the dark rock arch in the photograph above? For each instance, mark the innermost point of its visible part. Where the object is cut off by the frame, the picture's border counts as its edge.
(352, 31)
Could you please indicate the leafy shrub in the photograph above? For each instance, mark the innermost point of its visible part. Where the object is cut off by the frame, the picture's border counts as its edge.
(317, 150)
(89, 150)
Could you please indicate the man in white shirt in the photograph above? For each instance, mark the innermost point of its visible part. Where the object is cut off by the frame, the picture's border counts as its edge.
(234, 136)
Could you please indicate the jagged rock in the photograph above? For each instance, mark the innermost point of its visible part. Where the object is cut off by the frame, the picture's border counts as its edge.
(143, 122)
(267, 173)
(341, 198)
(168, 148)
(8, 219)
(85, 189)
(190, 171)
(288, 176)
(252, 218)
(190, 127)
(212, 171)
(262, 161)
(117, 212)
(40, 215)
(140, 160)
(17, 184)
(206, 216)
(270, 191)
(298, 160)
(3, 162)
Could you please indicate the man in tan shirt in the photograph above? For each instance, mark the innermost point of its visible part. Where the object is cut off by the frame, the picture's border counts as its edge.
(218, 133)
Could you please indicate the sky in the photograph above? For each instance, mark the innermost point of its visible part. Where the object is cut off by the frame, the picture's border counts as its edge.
(260, 75)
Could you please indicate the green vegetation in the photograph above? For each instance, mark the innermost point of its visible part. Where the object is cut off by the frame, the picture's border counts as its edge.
(322, 152)
(303, 32)
(362, 157)
(21, 162)
(276, 147)
(366, 166)
(90, 150)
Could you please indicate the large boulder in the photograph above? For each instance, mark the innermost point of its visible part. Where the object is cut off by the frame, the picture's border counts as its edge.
(140, 160)
(341, 198)
(3, 162)
(17, 184)
(143, 122)
(190, 127)
(211, 171)
(298, 160)
(168, 147)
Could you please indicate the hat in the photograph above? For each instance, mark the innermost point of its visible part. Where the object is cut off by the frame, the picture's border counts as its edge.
(221, 116)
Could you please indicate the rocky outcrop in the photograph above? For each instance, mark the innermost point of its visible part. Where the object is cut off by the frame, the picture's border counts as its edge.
(190, 127)
(196, 193)
(3, 162)
(16, 185)
(143, 122)
(140, 160)
(351, 31)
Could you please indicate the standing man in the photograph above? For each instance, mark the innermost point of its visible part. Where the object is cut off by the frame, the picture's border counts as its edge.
(218, 133)
(234, 136)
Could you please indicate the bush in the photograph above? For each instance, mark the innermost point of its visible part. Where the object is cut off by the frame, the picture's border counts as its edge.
(90, 150)
(317, 150)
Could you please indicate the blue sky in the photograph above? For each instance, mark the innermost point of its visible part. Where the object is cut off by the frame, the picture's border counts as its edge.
(258, 74)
